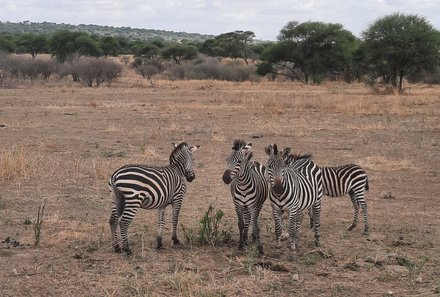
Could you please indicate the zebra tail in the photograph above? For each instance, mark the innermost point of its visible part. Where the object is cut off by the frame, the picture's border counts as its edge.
(367, 187)
(119, 200)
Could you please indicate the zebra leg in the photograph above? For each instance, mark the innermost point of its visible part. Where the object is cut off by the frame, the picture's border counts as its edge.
(247, 220)
(310, 217)
(355, 202)
(176, 210)
(294, 228)
(278, 219)
(114, 218)
(240, 217)
(124, 223)
(316, 214)
(256, 230)
(161, 215)
(364, 212)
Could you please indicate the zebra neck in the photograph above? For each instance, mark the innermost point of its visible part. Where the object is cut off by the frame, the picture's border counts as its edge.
(177, 167)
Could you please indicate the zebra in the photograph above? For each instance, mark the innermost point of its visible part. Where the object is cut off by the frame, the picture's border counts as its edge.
(341, 180)
(150, 187)
(249, 190)
(293, 190)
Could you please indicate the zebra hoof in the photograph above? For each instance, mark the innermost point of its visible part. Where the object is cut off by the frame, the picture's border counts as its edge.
(159, 243)
(260, 250)
(127, 251)
(117, 249)
(351, 227)
(176, 241)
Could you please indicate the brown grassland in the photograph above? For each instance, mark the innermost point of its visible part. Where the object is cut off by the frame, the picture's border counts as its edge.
(60, 142)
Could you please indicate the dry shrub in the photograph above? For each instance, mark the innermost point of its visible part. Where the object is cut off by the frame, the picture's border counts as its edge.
(13, 163)
(92, 71)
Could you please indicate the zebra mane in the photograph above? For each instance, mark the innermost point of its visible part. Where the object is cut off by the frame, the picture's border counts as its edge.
(295, 157)
(177, 149)
(238, 144)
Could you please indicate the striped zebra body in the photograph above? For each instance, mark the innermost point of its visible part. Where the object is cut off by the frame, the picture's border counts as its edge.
(249, 190)
(349, 180)
(293, 190)
(149, 187)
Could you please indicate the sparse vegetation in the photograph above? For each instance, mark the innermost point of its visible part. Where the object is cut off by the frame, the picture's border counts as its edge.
(70, 138)
(38, 223)
(13, 163)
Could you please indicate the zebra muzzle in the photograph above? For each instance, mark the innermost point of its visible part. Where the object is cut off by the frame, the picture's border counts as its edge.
(227, 177)
(278, 187)
(190, 178)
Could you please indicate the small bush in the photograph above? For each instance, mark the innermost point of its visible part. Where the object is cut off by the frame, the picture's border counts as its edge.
(92, 71)
(212, 68)
(26, 68)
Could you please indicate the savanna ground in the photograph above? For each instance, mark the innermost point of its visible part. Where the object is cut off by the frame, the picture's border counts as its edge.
(60, 142)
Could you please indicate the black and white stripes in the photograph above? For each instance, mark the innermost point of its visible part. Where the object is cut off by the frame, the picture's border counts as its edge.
(348, 179)
(249, 189)
(293, 190)
(140, 186)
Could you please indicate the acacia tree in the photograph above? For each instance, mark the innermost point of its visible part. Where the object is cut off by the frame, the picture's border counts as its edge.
(398, 46)
(31, 43)
(234, 45)
(309, 50)
(66, 45)
(179, 52)
(109, 46)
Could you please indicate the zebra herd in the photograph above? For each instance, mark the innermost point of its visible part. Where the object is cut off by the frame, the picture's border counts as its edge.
(293, 183)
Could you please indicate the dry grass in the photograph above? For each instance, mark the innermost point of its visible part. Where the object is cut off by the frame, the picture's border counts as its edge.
(13, 163)
(61, 143)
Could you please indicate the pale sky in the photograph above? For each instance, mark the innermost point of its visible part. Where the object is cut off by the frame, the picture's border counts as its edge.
(264, 17)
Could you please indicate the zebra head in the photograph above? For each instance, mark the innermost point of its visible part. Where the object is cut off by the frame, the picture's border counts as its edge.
(182, 157)
(237, 160)
(275, 168)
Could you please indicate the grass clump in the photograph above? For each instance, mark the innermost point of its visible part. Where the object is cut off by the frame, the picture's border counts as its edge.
(13, 163)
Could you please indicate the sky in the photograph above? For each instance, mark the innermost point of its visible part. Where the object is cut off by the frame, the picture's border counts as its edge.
(265, 18)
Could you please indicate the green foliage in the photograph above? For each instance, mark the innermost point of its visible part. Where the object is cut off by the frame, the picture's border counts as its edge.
(6, 45)
(109, 46)
(38, 223)
(311, 50)
(179, 52)
(126, 33)
(31, 43)
(209, 228)
(398, 46)
(67, 46)
(234, 45)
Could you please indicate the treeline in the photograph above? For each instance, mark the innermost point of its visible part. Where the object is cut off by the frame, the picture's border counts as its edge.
(393, 49)
(49, 28)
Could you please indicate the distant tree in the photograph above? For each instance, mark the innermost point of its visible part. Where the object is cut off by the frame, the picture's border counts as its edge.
(6, 44)
(310, 50)
(31, 43)
(109, 46)
(397, 46)
(232, 44)
(66, 45)
(145, 49)
(179, 52)
(148, 68)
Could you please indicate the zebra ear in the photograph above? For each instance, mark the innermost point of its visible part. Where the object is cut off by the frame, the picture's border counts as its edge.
(174, 144)
(194, 148)
(275, 149)
(248, 146)
(286, 152)
(268, 150)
